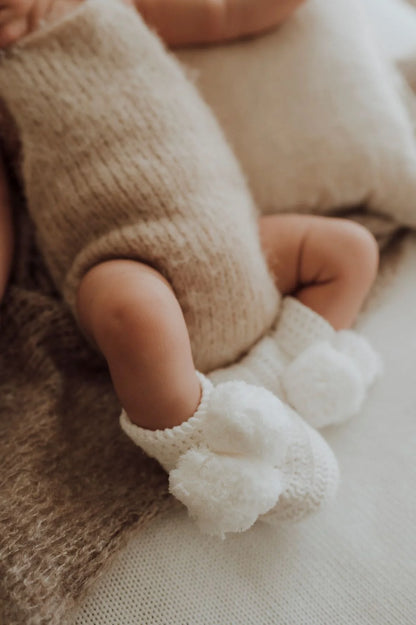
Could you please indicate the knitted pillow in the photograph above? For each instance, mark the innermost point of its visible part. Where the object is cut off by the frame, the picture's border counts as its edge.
(315, 114)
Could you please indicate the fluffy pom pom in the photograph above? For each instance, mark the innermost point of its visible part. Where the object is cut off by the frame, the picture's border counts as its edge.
(359, 349)
(324, 385)
(224, 494)
(247, 420)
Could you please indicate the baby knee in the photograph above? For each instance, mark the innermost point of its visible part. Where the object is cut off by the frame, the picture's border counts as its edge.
(123, 299)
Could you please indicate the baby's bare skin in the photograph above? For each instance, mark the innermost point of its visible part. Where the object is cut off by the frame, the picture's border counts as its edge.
(130, 311)
(19, 18)
(185, 22)
(178, 22)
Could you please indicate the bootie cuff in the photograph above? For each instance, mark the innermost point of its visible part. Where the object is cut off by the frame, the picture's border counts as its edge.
(168, 444)
(298, 327)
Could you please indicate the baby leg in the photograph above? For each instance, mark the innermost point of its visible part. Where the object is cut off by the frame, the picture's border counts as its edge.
(234, 452)
(325, 267)
(328, 264)
(129, 310)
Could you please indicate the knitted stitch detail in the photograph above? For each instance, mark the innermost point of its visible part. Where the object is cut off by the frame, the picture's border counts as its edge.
(120, 158)
(242, 454)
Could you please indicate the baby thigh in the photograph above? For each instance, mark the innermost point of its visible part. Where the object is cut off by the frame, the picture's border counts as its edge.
(329, 264)
(214, 263)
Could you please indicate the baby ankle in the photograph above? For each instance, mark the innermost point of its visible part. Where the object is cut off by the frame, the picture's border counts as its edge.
(168, 409)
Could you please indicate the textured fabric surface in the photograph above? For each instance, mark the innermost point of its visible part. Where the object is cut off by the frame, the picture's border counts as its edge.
(296, 328)
(71, 485)
(323, 374)
(243, 455)
(55, 463)
(146, 174)
(353, 564)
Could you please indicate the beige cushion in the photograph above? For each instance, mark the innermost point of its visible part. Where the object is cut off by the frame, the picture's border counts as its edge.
(314, 113)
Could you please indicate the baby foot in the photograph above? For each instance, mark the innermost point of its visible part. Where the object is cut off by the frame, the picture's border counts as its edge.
(329, 372)
(312, 475)
(323, 374)
(242, 455)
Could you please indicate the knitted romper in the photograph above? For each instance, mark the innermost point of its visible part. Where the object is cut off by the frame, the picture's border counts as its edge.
(118, 157)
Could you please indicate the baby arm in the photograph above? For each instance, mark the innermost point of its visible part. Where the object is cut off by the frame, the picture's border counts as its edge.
(6, 230)
(21, 17)
(187, 22)
(178, 22)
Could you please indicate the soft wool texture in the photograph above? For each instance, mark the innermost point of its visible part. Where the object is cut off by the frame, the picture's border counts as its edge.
(120, 158)
(323, 374)
(243, 455)
(71, 492)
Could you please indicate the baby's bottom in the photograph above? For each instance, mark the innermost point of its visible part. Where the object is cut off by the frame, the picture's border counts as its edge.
(132, 314)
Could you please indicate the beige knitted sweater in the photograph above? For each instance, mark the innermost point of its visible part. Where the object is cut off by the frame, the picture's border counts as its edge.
(116, 156)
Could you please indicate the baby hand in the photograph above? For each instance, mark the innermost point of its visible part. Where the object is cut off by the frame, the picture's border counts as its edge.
(18, 18)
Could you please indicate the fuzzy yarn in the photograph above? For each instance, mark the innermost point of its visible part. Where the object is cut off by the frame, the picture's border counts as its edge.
(323, 374)
(224, 493)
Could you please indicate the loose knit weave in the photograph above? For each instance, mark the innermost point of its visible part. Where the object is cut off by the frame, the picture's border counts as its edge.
(122, 159)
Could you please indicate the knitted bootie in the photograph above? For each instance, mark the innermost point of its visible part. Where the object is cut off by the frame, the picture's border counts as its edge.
(242, 455)
(322, 373)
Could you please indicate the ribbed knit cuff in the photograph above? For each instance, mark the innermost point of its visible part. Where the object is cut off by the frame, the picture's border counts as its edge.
(167, 445)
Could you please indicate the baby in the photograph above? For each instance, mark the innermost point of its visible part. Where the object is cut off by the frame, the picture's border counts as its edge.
(149, 232)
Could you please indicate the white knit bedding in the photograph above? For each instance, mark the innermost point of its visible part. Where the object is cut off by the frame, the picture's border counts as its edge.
(352, 564)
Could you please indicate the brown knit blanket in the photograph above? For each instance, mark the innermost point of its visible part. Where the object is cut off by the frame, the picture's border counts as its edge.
(73, 487)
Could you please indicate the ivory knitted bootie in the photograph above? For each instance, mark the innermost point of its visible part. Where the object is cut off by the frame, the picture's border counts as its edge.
(323, 374)
(243, 455)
